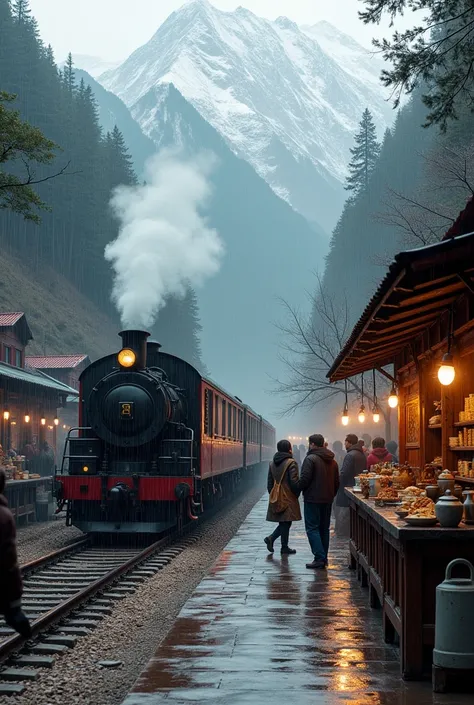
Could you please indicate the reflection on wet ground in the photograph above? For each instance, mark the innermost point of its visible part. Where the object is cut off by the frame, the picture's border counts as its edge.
(264, 630)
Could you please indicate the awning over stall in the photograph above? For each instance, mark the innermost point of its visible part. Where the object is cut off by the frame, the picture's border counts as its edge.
(418, 289)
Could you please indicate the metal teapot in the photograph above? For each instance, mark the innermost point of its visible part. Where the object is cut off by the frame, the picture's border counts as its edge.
(454, 627)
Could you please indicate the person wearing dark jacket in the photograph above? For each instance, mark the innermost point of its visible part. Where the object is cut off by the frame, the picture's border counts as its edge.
(354, 464)
(379, 453)
(392, 447)
(283, 466)
(319, 483)
(11, 587)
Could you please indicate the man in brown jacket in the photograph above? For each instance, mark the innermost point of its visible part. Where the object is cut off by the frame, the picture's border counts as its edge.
(319, 483)
(11, 586)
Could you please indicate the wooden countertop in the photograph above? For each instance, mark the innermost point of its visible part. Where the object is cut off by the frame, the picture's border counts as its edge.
(13, 484)
(388, 520)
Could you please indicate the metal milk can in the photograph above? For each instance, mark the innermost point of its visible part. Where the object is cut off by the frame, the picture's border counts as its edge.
(454, 628)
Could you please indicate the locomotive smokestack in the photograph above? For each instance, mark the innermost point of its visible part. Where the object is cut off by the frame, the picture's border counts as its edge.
(136, 340)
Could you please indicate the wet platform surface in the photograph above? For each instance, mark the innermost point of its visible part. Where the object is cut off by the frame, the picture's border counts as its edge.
(265, 630)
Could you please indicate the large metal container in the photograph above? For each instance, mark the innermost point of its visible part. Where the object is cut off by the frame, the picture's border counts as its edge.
(454, 628)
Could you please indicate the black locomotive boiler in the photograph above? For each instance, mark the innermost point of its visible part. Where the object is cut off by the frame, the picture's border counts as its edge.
(157, 443)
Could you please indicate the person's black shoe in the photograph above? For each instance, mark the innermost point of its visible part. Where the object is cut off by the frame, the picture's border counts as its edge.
(17, 620)
(287, 551)
(316, 565)
(269, 542)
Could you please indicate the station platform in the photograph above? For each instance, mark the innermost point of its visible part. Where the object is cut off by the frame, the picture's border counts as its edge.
(262, 629)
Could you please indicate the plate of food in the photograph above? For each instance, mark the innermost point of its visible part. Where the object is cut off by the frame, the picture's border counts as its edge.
(413, 491)
(421, 520)
(388, 495)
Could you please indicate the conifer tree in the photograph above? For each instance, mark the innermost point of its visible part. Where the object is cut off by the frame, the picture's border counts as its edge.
(364, 155)
(68, 74)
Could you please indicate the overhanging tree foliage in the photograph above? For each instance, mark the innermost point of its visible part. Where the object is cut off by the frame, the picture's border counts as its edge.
(23, 146)
(364, 155)
(439, 51)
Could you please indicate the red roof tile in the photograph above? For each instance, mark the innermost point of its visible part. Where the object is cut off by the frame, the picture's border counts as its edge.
(9, 319)
(54, 362)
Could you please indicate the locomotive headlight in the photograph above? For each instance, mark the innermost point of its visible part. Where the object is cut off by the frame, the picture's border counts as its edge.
(126, 358)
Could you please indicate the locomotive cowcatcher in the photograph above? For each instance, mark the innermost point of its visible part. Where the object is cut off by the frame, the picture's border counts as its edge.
(156, 445)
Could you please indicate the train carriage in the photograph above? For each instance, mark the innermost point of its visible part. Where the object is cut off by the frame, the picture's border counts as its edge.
(157, 443)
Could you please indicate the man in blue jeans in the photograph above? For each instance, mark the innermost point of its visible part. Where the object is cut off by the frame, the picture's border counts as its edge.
(319, 482)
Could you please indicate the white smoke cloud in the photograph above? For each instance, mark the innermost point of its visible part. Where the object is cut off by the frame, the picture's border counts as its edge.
(164, 243)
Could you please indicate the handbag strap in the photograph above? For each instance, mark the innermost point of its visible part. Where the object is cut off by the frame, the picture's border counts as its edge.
(287, 462)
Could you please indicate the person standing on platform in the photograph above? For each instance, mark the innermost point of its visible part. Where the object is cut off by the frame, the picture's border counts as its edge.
(366, 442)
(379, 453)
(392, 447)
(339, 453)
(354, 464)
(296, 455)
(319, 483)
(283, 506)
(11, 587)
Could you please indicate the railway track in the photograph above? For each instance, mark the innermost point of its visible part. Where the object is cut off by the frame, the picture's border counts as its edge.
(67, 593)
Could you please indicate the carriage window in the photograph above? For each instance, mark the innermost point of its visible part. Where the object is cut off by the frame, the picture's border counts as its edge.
(223, 417)
(208, 408)
(234, 424)
(229, 421)
(216, 417)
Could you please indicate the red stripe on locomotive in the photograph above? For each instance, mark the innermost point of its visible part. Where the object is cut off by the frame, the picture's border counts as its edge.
(149, 488)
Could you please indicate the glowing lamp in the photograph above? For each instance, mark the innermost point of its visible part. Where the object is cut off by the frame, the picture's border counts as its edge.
(56, 421)
(43, 421)
(345, 419)
(376, 417)
(393, 398)
(126, 358)
(446, 372)
(27, 418)
(85, 468)
(6, 415)
(361, 415)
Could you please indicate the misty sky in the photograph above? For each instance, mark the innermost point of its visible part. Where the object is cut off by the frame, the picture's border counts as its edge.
(112, 29)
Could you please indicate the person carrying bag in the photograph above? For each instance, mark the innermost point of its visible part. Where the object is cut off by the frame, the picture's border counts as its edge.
(283, 505)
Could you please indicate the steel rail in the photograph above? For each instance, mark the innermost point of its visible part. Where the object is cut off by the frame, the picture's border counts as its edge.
(50, 557)
(57, 613)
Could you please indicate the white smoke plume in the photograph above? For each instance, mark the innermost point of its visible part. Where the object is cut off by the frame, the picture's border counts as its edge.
(164, 243)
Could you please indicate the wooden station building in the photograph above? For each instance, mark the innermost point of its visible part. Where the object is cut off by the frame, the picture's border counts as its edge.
(30, 399)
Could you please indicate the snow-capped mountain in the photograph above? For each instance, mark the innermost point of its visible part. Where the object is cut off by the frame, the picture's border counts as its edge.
(281, 101)
(94, 65)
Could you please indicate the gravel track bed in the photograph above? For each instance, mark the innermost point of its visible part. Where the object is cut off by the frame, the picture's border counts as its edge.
(138, 625)
(36, 540)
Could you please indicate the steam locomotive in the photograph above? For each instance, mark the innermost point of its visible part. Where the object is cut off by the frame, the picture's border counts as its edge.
(157, 443)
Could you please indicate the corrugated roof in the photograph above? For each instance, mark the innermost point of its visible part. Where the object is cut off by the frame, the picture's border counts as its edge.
(418, 288)
(39, 379)
(9, 319)
(54, 362)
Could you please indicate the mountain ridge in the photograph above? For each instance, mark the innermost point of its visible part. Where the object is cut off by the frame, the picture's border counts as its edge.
(270, 90)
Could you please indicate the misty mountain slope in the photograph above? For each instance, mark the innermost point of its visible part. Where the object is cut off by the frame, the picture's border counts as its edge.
(268, 249)
(112, 111)
(278, 99)
(93, 65)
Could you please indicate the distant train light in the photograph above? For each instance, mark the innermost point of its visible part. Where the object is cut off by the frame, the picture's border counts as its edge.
(85, 468)
(126, 358)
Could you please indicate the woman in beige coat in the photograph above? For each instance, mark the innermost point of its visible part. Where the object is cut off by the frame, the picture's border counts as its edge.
(283, 469)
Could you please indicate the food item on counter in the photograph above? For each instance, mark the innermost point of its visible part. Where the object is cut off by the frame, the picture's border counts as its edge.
(428, 474)
(422, 513)
(388, 494)
(365, 486)
(413, 491)
(418, 504)
(438, 461)
(385, 481)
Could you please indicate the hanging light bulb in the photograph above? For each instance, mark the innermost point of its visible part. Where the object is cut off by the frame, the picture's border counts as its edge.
(6, 415)
(56, 421)
(43, 421)
(27, 418)
(446, 372)
(376, 410)
(393, 398)
(345, 412)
